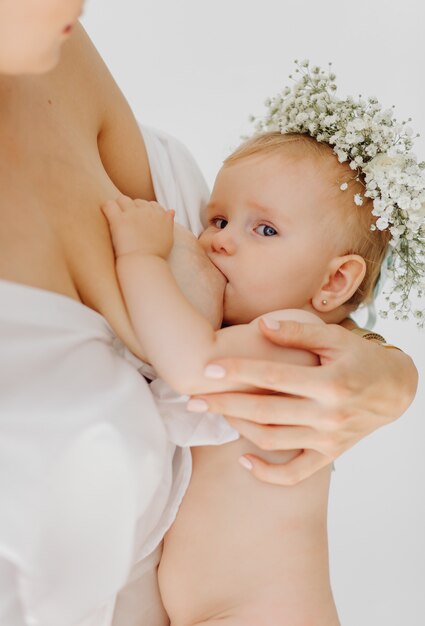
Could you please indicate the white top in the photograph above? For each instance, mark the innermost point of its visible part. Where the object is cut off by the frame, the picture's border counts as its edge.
(89, 481)
(188, 429)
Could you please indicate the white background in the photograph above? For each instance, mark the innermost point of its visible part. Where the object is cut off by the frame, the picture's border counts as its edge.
(197, 69)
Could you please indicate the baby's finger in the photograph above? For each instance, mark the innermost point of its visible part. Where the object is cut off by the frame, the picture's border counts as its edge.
(143, 203)
(111, 210)
(125, 203)
(307, 463)
(158, 206)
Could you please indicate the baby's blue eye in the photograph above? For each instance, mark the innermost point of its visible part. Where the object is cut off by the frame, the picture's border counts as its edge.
(267, 231)
(219, 222)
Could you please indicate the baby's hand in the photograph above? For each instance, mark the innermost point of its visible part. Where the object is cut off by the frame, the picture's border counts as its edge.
(138, 226)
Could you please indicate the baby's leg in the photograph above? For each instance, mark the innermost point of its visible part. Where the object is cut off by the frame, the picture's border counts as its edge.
(242, 552)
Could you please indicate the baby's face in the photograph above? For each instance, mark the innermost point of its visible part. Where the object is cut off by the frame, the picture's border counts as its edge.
(270, 232)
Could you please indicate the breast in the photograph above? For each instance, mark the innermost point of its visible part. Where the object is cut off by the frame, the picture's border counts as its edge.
(54, 235)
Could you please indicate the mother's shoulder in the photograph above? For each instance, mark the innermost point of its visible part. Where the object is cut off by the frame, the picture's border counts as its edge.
(84, 76)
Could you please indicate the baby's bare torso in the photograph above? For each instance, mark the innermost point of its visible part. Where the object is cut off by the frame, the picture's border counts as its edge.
(242, 552)
(247, 553)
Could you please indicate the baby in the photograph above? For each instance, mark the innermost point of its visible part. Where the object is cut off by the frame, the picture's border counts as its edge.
(291, 245)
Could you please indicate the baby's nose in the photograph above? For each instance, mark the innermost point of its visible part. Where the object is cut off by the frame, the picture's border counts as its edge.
(223, 241)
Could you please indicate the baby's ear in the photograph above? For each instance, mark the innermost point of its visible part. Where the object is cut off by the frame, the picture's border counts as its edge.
(342, 279)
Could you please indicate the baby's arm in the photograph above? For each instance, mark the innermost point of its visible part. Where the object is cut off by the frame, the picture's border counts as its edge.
(176, 339)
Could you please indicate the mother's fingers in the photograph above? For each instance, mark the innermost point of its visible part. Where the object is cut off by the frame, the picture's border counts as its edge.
(263, 409)
(307, 463)
(322, 339)
(298, 380)
(278, 437)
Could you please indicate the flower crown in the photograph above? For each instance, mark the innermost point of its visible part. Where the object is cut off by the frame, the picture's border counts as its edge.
(378, 147)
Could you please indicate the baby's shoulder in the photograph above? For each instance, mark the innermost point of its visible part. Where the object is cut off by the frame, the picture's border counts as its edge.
(247, 340)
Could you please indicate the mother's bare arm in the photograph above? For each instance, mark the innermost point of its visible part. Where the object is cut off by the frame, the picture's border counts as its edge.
(359, 387)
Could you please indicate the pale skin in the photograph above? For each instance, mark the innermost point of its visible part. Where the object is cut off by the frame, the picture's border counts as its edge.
(322, 418)
(32, 33)
(54, 237)
(267, 233)
(271, 260)
(361, 386)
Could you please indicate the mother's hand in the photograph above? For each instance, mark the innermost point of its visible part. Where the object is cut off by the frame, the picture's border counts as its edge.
(359, 387)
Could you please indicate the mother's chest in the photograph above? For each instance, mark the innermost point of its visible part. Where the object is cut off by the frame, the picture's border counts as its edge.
(53, 183)
(64, 170)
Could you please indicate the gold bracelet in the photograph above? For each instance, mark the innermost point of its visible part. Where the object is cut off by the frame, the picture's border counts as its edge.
(389, 345)
(369, 335)
(375, 337)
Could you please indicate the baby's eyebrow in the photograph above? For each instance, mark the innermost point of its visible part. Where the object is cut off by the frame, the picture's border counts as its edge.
(261, 207)
(211, 207)
(276, 213)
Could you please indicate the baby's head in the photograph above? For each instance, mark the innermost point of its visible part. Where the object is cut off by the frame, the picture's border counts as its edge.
(285, 234)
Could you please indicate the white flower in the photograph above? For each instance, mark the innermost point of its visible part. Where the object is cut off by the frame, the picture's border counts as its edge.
(342, 156)
(378, 206)
(404, 202)
(301, 118)
(371, 150)
(351, 138)
(384, 161)
(329, 120)
(376, 146)
(382, 223)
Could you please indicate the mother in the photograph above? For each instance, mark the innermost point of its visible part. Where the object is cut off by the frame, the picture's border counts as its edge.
(88, 481)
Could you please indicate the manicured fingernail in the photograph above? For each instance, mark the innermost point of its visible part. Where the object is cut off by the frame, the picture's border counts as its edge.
(214, 371)
(197, 406)
(246, 463)
(271, 323)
